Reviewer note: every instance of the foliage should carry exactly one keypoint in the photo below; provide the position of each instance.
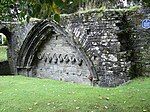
(24, 94)
(146, 2)
(3, 53)
(42, 9)
(24, 9)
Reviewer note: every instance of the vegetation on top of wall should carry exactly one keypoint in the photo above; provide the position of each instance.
(134, 8)
(88, 11)
(120, 11)
(96, 10)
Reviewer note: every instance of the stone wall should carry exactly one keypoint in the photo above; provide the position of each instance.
(86, 48)
(96, 32)
(15, 33)
(58, 60)
(140, 48)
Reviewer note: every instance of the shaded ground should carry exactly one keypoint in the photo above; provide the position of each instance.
(24, 94)
(4, 65)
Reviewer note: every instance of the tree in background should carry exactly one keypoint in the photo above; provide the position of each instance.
(24, 9)
(45, 9)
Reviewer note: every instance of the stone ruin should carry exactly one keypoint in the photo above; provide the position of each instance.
(82, 48)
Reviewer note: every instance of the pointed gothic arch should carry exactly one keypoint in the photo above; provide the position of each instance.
(37, 35)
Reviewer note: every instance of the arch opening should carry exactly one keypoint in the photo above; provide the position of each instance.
(5, 36)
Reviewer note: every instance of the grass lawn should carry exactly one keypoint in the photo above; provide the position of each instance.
(24, 94)
(3, 53)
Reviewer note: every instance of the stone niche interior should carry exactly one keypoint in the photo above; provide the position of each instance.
(57, 59)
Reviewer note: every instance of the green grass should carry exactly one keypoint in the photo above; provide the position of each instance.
(24, 94)
(3, 53)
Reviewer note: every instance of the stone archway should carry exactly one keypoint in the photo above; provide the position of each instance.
(5, 65)
(50, 51)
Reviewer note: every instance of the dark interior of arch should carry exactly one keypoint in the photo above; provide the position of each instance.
(7, 33)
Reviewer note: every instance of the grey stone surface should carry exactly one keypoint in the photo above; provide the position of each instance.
(85, 49)
(96, 32)
(58, 60)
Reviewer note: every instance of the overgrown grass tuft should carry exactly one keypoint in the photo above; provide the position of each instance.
(3, 53)
(24, 94)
